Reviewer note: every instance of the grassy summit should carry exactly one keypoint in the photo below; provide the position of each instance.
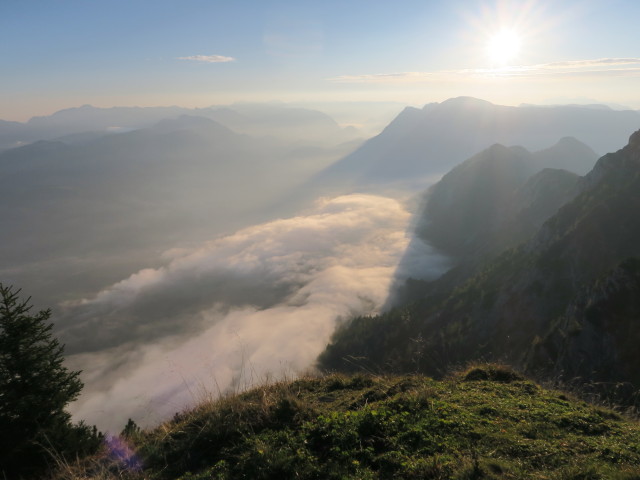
(487, 422)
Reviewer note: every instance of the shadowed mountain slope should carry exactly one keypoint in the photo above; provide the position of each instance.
(501, 196)
(519, 306)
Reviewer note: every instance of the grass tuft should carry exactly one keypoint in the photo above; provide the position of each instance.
(491, 372)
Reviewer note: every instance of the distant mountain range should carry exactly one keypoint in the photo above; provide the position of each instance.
(73, 125)
(420, 145)
(129, 195)
(562, 304)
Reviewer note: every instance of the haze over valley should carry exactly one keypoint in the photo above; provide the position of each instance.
(178, 261)
(260, 196)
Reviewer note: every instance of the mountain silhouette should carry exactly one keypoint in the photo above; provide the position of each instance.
(296, 125)
(495, 199)
(422, 144)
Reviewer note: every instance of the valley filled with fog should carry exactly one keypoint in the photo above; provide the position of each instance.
(278, 239)
(192, 252)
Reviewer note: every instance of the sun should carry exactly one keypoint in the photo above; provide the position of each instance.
(503, 47)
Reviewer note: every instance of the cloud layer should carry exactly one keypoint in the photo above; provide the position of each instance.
(208, 58)
(264, 300)
(614, 67)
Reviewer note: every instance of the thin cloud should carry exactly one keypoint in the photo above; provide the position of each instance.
(599, 62)
(208, 58)
(614, 67)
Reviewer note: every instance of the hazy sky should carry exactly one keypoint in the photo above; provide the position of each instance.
(64, 53)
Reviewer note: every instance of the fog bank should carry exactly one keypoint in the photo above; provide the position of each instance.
(264, 300)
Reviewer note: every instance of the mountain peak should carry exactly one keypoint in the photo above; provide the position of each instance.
(405, 121)
(634, 140)
(467, 102)
(498, 150)
(633, 149)
(622, 164)
(631, 152)
(569, 141)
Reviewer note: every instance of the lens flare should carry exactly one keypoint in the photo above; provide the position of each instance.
(122, 453)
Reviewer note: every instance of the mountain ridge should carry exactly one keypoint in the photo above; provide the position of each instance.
(422, 143)
(502, 308)
(491, 192)
(294, 124)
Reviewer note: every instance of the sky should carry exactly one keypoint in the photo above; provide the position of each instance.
(196, 53)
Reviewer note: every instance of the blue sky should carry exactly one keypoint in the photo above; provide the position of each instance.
(63, 53)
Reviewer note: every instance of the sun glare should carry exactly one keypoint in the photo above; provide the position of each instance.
(503, 47)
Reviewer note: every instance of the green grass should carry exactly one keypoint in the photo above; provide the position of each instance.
(486, 422)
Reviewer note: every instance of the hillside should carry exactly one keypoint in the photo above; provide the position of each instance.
(560, 284)
(487, 422)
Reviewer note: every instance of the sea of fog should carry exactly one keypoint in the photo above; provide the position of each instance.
(233, 312)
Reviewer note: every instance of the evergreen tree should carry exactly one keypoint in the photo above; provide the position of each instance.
(35, 388)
